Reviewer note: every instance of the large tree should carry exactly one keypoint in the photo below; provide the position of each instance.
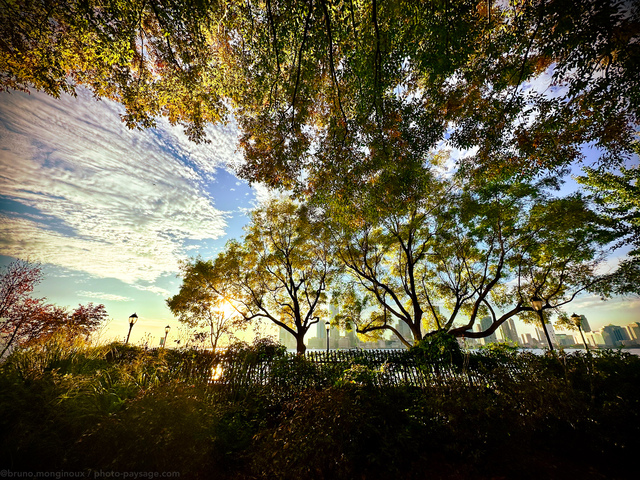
(281, 270)
(458, 254)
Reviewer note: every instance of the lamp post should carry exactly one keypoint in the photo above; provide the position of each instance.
(132, 321)
(536, 303)
(577, 321)
(327, 327)
(166, 332)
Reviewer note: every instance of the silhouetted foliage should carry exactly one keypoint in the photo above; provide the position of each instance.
(440, 348)
(509, 415)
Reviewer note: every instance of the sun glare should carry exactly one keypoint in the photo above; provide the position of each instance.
(216, 373)
(226, 308)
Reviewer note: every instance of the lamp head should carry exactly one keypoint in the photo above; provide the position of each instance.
(166, 329)
(577, 319)
(536, 303)
(327, 325)
(133, 319)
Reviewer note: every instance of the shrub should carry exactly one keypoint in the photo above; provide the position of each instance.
(438, 350)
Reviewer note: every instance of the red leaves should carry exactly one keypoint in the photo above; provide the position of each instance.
(28, 319)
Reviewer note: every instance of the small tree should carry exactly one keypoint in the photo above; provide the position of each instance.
(27, 319)
(17, 307)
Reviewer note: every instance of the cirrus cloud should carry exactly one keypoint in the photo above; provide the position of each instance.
(82, 191)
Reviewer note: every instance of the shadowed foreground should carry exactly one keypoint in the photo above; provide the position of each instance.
(255, 412)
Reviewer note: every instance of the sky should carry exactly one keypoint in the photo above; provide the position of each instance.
(109, 212)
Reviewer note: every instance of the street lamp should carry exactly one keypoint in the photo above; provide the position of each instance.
(327, 327)
(166, 332)
(536, 303)
(132, 321)
(577, 321)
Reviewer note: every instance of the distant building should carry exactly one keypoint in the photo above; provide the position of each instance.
(595, 339)
(286, 339)
(527, 340)
(633, 332)
(542, 337)
(614, 335)
(321, 330)
(508, 331)
(485, 324)
(565, 340)
(405, 331)
(584, 324)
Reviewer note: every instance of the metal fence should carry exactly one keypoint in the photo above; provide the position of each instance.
(382, 368)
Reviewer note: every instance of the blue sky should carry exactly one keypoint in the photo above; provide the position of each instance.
(110, 212)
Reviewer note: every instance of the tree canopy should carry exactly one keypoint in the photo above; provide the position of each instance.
(618, 197)
(459, 254)
(199, 303)
(333, 95)
(280, 272)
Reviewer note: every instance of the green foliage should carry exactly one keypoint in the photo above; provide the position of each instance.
(262, 349)
(618, 196)
(500, 348)
(201, 302)
(336, 97)
(280, 271)
(358, 375)
(338, 433)
(456, 254)
(440, 348)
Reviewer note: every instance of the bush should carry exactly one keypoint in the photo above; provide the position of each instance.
(507, 415)
(438, 350)
(340, 433)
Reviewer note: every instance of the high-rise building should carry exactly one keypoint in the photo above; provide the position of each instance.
(584, 324)
(614, 335)
(565, 340)
(286, 339)
(405, 331)
(529, 341)
(321, 330)
(633, 331)
(509, 332)
(595, 338)
(485, 324)
(543, 338)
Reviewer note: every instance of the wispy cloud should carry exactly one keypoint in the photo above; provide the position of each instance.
(163, 292)
(591, 302)
(104, 199)
(104, 296)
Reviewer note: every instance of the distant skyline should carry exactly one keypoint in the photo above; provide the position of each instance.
(109, 212)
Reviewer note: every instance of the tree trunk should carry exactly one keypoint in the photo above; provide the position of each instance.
(544, 327)
(300, 346)
(13, 336)
(416, 331)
